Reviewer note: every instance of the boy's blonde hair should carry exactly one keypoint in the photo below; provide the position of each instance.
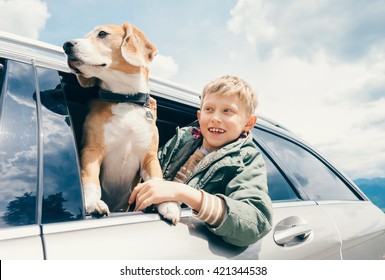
(230, 85)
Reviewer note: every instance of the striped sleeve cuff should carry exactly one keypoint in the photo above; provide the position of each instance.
(213, 209)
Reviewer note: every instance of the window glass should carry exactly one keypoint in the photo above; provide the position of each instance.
(279, 188)
(317, 180)
(62, 197)
(18, 146)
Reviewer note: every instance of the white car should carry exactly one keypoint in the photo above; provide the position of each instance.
(318, 212)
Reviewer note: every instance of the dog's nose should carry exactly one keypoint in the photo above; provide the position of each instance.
(67, 46)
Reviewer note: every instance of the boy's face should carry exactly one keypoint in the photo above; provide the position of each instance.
(222, 120)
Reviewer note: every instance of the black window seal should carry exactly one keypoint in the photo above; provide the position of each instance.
(4, 85)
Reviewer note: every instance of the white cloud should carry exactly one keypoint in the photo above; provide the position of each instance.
(303, 27)
(251, 18)
(310, 76)
(23, 17)
(164, 66)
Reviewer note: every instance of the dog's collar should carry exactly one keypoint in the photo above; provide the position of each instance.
(139, 98)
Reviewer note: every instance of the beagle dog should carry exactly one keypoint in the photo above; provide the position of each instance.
(120, 137)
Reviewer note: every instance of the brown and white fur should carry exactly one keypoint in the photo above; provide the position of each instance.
(119, 143)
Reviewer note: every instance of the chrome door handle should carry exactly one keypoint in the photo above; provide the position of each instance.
(287, 235)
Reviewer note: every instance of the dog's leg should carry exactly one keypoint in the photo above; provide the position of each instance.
(91, 159)
(170, 210)
(150, 167)
(151, 170)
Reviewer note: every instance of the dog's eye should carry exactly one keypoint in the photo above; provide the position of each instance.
(102, 34)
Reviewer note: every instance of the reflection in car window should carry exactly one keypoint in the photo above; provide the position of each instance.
(318, 181)
(279, 188)
(18, 146)
(62, 197)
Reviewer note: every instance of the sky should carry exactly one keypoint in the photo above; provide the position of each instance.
(318, 67)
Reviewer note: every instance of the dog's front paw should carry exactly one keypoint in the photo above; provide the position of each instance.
(92, 199)
(97, 207)
(170, 210)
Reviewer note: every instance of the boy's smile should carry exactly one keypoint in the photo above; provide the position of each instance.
(216, 130)
(222, 120)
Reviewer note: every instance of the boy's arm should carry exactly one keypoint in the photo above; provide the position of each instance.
(213, 209)
(158, 191)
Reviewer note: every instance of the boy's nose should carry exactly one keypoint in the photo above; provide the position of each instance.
(215, 118)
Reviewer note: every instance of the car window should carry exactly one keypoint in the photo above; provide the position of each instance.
(18, 146)
(279, 188)
(317, 180)
(62, 196)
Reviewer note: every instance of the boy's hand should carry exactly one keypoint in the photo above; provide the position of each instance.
(153, 192)
(162, 193)
(165, 192)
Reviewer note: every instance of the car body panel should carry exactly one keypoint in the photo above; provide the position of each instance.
(363, 237)
(135, 236)
(147, 236)
(21, 243)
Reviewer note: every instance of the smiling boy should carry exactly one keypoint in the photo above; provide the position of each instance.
(215, 168)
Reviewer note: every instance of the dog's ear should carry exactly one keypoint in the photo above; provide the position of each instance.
(136, 49)
(86, 82)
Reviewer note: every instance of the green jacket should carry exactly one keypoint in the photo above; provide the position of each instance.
(236, 173)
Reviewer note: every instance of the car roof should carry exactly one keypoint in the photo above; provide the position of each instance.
(43, 54)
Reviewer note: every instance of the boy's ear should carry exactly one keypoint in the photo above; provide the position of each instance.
(250, 123)
(198, 114)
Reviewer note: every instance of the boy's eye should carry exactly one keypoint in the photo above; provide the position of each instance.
(228, 110)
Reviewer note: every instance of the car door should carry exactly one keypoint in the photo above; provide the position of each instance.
(301, 229)
(342, 212)
(67, 233)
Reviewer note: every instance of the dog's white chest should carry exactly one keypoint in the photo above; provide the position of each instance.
(127, 138)
(128, 128)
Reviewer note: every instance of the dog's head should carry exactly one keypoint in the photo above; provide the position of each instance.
(109, 49)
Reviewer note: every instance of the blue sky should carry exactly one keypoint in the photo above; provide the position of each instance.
(318, 67)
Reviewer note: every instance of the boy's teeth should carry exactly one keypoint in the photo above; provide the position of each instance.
(217, 130)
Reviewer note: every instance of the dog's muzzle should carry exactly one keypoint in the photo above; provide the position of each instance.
(72, 60)
(68, 47)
